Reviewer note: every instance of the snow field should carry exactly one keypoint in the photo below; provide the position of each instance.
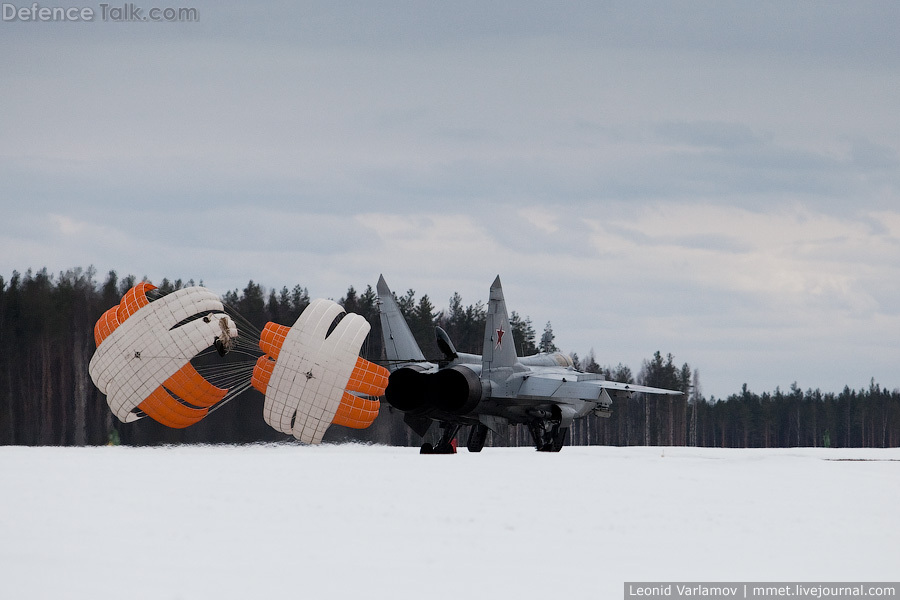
(355, 521)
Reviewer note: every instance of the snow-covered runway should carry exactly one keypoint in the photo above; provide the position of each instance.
(354, 521)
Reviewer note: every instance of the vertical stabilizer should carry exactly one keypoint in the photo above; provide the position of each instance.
(399, 343)
(499, 347)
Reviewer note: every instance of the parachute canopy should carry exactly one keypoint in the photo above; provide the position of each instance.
(144, 348)
(311, 374)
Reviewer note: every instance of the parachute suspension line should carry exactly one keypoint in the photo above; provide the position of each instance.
(248, 346)
(247, 342)
(232, 393)
(239, 350)
(223, 371)
(246, 364)
(246, 329)
(227, 377)
(364, 351)
(239, 354)
(248, 339)
(235, 374)
(225, 374)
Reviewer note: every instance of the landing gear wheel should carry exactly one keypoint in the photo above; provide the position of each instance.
(447, 444)
(548, 435)
(444, 449)
(559, 440)
(439, 449)
(477, 437)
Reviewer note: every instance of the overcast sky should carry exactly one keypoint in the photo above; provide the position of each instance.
(712, 179)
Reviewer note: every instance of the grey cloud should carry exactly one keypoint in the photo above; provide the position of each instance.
(241, 146)
(726, 136)
(862, 32)
(871, 156)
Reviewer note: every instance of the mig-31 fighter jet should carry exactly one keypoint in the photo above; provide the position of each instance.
(543, 391)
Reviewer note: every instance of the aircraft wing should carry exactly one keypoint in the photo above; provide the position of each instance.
(583, 386)
(630, 387)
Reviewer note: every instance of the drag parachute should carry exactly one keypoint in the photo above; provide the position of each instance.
(312, 376)
(144, 348)
(311, 373)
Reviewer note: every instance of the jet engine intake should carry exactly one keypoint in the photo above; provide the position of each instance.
(456, 390)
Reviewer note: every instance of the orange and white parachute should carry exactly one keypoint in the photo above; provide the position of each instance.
(144, 348)
(312, 375)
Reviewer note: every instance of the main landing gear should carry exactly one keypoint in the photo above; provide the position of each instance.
(447, 444)
(548, 435)
(477, 437)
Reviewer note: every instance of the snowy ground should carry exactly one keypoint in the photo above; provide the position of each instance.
(357, 521)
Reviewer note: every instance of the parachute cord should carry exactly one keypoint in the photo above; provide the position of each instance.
(230, 396)
(228, 379)
(229, 375)
(241, 350)
(234, 373)
(244, 325)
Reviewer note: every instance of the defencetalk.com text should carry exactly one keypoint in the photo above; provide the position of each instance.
(122, 13)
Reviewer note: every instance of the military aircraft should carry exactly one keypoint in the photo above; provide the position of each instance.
(543, 391)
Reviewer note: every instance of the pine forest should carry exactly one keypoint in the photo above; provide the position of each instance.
(48, 398)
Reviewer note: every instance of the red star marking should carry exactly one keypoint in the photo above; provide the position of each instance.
(500, 333)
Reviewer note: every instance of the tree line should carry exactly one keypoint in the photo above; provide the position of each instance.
(48, 398)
